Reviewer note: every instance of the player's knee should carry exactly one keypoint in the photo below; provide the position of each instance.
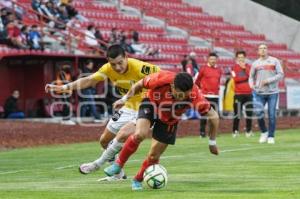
(140, 136)
(123, 135)
(103, 142)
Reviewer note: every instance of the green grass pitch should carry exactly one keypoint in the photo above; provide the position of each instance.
(243, 170)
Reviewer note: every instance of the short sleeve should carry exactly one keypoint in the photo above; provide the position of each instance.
(101, 74)
(151, 81)
(147, 69)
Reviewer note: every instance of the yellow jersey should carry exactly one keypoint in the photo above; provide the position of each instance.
(136, 71)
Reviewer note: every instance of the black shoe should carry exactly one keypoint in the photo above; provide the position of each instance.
(202, 134)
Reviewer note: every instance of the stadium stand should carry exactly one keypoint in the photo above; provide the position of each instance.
(175, 13)
(199, 33)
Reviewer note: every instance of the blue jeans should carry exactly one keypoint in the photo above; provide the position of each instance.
(16, 115)
(90, 106)
(259, 104)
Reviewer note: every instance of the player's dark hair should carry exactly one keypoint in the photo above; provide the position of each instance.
(240, 52)
(183, 81)
(213, 54)
(114, 51)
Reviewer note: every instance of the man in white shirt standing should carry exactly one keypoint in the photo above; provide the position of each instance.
(265, 74)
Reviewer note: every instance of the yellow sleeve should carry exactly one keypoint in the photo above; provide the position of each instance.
(147, 69)
(101, 74)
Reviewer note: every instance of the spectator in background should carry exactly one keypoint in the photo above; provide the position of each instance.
(184, 62)
(88, 100)
(3, 34)
(134, 36)
(35, 38)
(25, 35)
(192, 57)
(243, 93)
(64, 76)
(90, 38)
(8, 4)
(264, 76)
(114, 37)
(189, 63)
(11, 106)
(208, 80)
(100, 39)
(36, 5)
(127, 46)
(4, 16)
(71, 11)
(14, 35)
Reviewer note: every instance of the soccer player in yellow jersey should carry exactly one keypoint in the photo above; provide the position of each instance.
(123, 72)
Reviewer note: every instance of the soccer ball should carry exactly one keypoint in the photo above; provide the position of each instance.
(155, 176)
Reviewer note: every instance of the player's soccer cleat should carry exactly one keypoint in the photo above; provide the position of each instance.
(112, 169)
(136, 185)
(87, 168)
(249, 134)
(271, 140)
(263, 137)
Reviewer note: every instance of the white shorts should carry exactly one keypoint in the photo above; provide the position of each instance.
(120, 118)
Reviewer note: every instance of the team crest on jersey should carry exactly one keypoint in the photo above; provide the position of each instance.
(147, 110)
(146, 70)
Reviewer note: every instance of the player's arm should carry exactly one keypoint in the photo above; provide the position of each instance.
(213, 121)
(80, 83)
(136, 88)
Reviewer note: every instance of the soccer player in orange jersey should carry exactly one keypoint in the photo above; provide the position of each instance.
(168, 97)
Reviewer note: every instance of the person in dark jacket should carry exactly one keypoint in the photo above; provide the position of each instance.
(11, 106)
(88, 95)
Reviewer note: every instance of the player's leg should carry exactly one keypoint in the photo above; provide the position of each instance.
(89, 167)
(163, 135)
(125, 116)
(259, 104)
(156, 150)
(237, 113)
(272, 102)
(143, 124)
(116, 144)
(106, 137)
(249, 112)
(131, 145)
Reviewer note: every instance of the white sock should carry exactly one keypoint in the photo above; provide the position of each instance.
(109, 153)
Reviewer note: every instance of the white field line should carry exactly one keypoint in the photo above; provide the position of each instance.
(139, 160)
(12, 172)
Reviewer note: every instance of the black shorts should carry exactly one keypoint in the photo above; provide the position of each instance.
(161, 132)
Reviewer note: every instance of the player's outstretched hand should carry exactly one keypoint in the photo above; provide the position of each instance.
(214, 149)
(56, 88)
(118, 104)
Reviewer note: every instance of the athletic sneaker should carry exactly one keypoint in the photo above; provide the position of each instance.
(202, 135)
(112, 169)
(263, 137)
(249, 134)
(235, 134)
(87, 168)
(68, 122)
(271, 140)
(136, 185)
